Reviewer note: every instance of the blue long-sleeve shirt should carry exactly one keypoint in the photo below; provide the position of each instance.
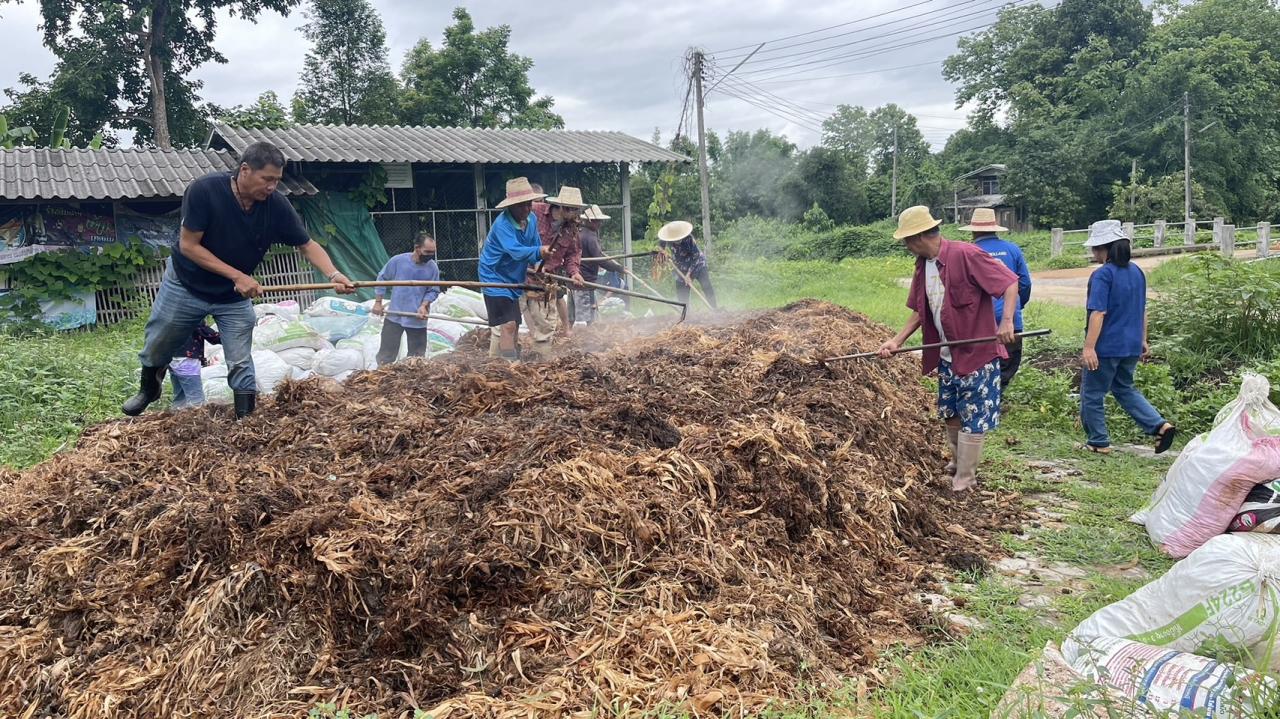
(408, 299)
(1011, 256)
(508, 252)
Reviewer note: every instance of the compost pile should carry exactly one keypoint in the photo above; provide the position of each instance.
(702, 519)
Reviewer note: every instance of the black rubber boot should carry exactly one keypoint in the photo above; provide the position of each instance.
(152, 377)
(245, 402)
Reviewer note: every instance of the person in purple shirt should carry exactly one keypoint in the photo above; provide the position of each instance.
(952, 287)
(1115, 340)
(420, 264)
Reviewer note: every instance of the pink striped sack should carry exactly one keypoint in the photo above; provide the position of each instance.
(1204, 489)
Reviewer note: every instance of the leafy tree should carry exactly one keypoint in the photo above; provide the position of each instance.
(125, 64)
(753, 176)
(1157, 199)
(346, 78)
(850, 132)
(912, 147)
(266, 113)
(830, 182)
(472, 80)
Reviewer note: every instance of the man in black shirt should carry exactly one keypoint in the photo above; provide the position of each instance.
(229, 221)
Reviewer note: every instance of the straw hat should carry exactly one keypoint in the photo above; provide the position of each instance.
(594, 213)
(913, 221)
(983, 220)
(1104, 232)
(675, 231)
(568, 197)
(519, 190)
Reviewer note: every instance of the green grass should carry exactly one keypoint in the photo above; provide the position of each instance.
(53, 385)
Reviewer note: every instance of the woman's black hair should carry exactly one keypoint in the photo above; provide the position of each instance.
(1118, 253)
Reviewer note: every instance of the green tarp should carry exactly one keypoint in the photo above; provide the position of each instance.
(345, 228)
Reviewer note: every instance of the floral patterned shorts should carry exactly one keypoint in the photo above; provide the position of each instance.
(974, 398)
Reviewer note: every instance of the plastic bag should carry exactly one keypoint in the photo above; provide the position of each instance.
(288, 310)
(336, 328)
(1203, 490)
(336, 307)
(287, 335)
(1223, 599)
(1169, 681)
(269, 370)
(1050, 688)
(213, 379)
(337, 361)
(300, 357)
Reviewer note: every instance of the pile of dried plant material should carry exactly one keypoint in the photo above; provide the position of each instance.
(704, 519)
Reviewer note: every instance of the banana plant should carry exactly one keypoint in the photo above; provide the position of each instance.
(10, 137)
(58, 136)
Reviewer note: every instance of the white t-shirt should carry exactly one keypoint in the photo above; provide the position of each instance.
(936, 293)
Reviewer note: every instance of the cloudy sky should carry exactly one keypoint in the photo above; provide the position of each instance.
(618, 65)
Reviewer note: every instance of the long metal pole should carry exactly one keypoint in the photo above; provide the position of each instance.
(1186, 157)
(702, 153)
(893, 193)
(266, 289)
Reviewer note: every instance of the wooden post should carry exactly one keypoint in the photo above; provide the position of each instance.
(1127, 228)
(1264, 239)
(1228, 240)
(482, 217)
(1055, 242)
(1159, 230)
(625, 169)
(1217, 230)
(703, 181)
(1189, 232)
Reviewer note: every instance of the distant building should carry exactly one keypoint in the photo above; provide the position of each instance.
(981, 188)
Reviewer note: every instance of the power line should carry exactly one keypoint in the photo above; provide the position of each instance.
(948, 15)
(779, 48)
(832, 27)
(775, 111)
(851, 74)
(869, 52)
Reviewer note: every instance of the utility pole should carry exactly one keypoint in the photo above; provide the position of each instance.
(1186, 157)
(893, 193)
(702, 152)
(1133, 186)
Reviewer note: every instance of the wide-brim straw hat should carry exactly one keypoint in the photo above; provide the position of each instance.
(568, 197)
(983, 220)
(1104, 232)
(913, 221)
(675, 231)
(594, 213)
(519, 190)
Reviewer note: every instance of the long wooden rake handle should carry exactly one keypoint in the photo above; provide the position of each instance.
(430, 316)
(934, 345)
(402, 283)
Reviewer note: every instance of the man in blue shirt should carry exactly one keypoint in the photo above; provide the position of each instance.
(513, 244)
(420, 264)
(229, 221)
(984, 228)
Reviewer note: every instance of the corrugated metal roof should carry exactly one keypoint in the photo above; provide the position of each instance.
(37, 173)
(385, 143)
(985, 169)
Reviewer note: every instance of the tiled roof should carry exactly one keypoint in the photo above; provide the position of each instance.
(32, 173)
(385, 143)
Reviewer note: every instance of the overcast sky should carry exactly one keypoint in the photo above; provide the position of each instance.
(619, 65)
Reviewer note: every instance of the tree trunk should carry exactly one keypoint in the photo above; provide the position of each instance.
(156, 69)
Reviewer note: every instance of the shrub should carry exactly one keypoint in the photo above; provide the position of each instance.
(754, 237)
(1223, 314)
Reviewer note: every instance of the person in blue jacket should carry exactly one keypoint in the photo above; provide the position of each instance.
(513, 244)
(1115, 340)
(984, 228)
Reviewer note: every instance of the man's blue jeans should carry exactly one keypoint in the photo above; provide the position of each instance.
(174, 317)
(1114, 375)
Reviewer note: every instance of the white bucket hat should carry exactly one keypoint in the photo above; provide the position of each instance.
(1104, 232)
(675, 231)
